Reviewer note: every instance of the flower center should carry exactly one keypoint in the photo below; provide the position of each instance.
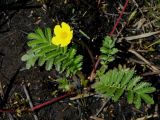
(64, 34)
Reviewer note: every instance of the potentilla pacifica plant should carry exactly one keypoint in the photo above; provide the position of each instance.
(53, 51)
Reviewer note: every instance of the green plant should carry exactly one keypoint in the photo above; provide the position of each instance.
(52, 50)
(108, 51)
(116, 82)
(64, 84)
(42, 50)
(108, 54)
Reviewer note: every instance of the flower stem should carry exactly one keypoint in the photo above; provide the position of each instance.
(50, 102)
(38, 106)
(119, 18)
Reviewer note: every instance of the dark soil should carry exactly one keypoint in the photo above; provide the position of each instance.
(16, 22)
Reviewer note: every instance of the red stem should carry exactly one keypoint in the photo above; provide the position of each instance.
(49, 102)
(119, 18)
(40, 105)
(6, 111)
(91, 77)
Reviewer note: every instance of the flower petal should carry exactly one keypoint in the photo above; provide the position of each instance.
(61, 42)
(70, 35)
(65, 42)
(55, 41)
(65, 26)
(57, 30)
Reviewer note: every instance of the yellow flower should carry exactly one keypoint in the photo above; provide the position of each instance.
(63, 35)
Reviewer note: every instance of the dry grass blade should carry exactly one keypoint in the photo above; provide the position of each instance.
(138, 36)
(1, 90)
(29, 99)
(96, 118)
(148, 117)
(81, 96)
(152, 67)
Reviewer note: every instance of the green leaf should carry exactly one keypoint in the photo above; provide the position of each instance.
(58, 67)
(127, 76)
(46, 50)
(41, 60)
(34, 42)
(118, 94)
(137, 101)
(31, 62)
(118, 81)
(147, 90)
(48, 34)
(39, 47)
(34, 36)
(104, 50)
(41, 34)
(108, 51)
(49, 64)
(115, 75)
(114, 51)
(28, 64)
(111, 78)
(120, 75)
(60, 59)
(66, 64)
(133, 82)
(78, 59)
(72, 53)
(52, 55)
(64, 50)
(108, 42)
(111, 91)
(130, 97)
(147, 98)
(64, 84)
(141, 86)
(26, 57)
